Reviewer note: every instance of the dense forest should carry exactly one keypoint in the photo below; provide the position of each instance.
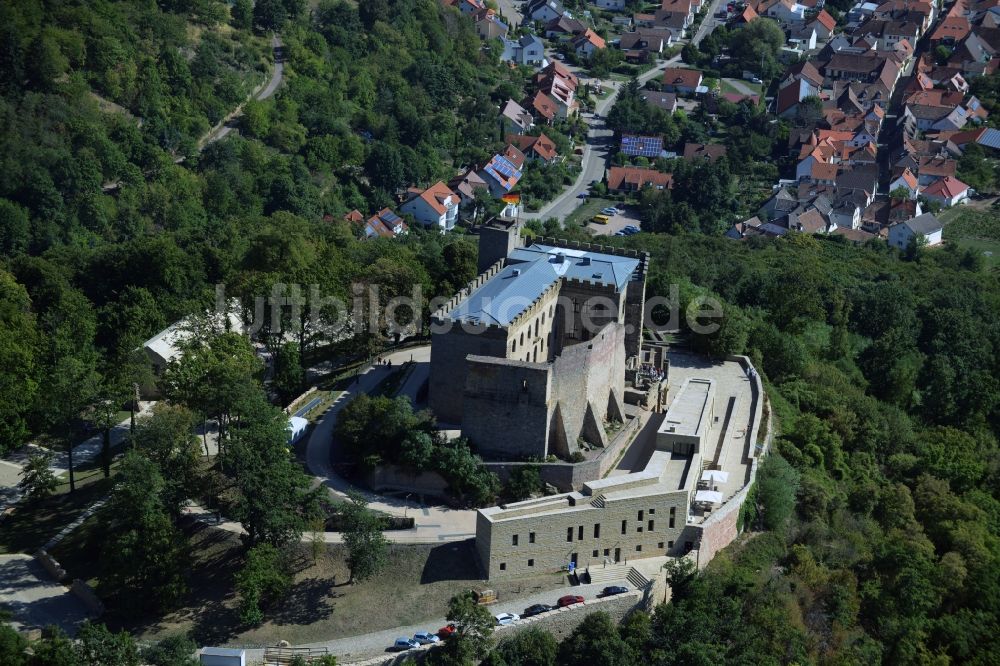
(876, 538)
(113, 222)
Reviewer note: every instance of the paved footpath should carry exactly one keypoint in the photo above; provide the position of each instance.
(84, 453)
(432, 524)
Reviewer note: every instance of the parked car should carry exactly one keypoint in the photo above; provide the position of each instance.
(425, 638)
(446, 631)
(558, 56)
(569, 600)
(613, 590)
(583, 195)
(537, 609)
(504, 619)
(403, 644)
(610, 210)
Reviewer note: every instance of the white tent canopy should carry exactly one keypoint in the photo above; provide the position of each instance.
(710, 496)
(713, 475)
(296, 427)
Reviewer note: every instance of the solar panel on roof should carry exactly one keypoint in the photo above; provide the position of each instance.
(645, 146)
(390, 217)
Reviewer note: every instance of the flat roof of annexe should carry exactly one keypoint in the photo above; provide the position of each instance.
(688, 412)
(532, 270)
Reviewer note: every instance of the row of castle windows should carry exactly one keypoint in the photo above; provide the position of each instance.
(650, 526)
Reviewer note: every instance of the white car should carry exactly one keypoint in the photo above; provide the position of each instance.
(426, 638)
(504, 619)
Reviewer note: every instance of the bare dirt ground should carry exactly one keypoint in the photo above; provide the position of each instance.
(415, 587)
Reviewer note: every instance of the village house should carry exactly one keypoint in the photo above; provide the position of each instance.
(514, 119)
(661, 100)
(503, 172)
(925, 226)
(681, 80)
(435, 207)
(536, 148)
(543, 10)
(947, 191)
(633, 179)
(586, 44)
(527, 50)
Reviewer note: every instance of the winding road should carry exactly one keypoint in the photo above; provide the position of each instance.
(230, 124)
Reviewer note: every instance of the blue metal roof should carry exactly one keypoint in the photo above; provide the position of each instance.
(585, 265)
(530, 272)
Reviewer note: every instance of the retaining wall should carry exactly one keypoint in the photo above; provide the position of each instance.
(571, 476)
(50, 565)
(559, 623)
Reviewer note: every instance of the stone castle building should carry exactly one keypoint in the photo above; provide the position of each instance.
(632, 516)
(530, 359)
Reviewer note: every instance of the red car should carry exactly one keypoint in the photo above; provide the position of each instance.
(446, 631)
(569, 600)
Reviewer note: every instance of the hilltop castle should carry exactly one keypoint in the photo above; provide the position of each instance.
(530, 358)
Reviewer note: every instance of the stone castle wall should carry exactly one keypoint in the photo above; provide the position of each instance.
(448, 367)
(506, 407)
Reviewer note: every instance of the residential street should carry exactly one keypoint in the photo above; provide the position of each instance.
(595, 154)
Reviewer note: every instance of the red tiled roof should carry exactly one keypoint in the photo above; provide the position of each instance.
(592, 37)
(543, 105)
(822, 171)
(710, 151)
(514, 156)
(355, 216)
(936, 166)
(826, 20)
(680, 76)
(638, 177)
(952, 27)
(435, 196)
(947, 187)
(541, 145)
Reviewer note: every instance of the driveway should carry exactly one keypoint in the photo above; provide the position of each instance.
(741, 87)
(596, 152)
(34, 600)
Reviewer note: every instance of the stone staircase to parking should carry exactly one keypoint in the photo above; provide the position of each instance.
(616, 572)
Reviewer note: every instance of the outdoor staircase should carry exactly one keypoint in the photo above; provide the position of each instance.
(616, 572)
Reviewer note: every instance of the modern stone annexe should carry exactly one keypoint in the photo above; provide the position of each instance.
(643, 514)
(530, 358)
